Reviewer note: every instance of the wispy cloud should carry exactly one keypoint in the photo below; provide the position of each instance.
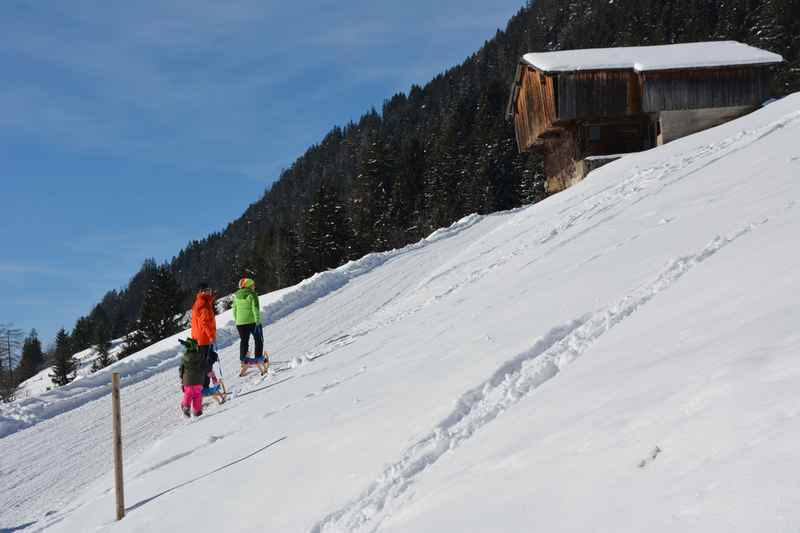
(206, 84)
(165, 81)
(354, 34)
(21, 268)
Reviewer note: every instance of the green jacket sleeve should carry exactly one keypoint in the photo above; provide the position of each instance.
(256, 309)
(234, 311)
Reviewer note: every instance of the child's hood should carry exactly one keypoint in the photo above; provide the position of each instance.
(242, 294)
(204, 298)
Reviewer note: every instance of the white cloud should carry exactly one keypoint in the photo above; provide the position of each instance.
(22, 268)
(206, 84)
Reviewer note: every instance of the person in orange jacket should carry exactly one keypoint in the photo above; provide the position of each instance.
(204, 323)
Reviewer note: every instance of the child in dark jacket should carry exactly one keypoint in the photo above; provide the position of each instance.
(193, 371)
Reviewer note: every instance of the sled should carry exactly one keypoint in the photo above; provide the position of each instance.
(261, 361)
(216, 392)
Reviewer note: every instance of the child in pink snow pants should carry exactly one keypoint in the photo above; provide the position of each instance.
(193, 372)
(192, 396)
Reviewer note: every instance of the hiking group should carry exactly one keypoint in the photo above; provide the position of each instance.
(196, 371)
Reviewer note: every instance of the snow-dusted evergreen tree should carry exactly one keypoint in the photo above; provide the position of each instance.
(133, 342)
(436, 185)
(372, 188)
(326, 236)
(297, 266)
(531, 181)
(64, 367)
(101, 348)
(777, 28)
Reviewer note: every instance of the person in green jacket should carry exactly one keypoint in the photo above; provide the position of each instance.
(247, 315)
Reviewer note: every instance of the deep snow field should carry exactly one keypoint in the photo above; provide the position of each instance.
(621, 357)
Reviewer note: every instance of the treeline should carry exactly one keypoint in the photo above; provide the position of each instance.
(435, 154)
(26, 350)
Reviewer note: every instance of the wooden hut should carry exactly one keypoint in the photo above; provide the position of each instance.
(582, 108)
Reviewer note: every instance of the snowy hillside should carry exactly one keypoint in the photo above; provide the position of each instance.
(621, 357)
(41, 382)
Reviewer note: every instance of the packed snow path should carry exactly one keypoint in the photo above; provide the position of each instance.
(621, 356)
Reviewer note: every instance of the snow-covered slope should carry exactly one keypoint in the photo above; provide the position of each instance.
(41, 381)
(620, 357)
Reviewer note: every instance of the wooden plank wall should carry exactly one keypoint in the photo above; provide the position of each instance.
(535, 108)
(592, 94)
(704, 88)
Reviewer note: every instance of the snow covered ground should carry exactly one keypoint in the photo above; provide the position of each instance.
(621, 357)
(41, 382)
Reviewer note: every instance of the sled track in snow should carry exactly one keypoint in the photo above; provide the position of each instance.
(511, 383)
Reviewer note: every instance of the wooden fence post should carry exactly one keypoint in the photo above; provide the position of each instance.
(117, 445)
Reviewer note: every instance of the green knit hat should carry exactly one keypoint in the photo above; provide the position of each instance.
(190, 344)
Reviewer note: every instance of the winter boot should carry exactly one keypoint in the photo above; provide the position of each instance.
(185, 409)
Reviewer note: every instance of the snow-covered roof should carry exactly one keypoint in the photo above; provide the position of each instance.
(650, 58)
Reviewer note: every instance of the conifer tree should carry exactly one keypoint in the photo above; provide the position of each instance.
(277, 257)
(134, 341)
(776, 27)
(531, 179)
(294, 268)
(372, 188)
(101, 348)
(440, 185)
(407, 194)
(82, 334)
(64, 367)
(162, 314)
(32, 357)
(325, 230)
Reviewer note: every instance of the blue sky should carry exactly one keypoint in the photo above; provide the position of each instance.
(129, 128)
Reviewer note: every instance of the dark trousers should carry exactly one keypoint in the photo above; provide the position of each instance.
(244, 334)
(205, 349)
